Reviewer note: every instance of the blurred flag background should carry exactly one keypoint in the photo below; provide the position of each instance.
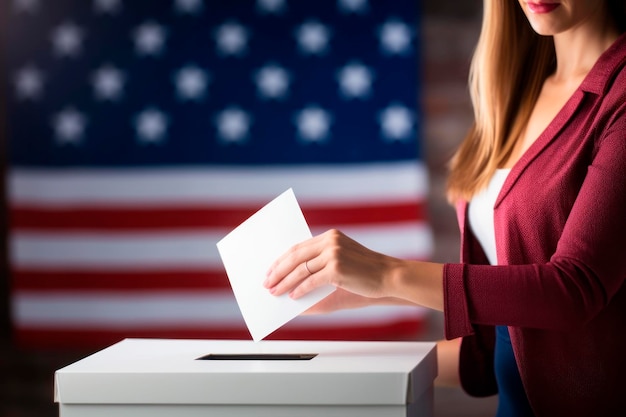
(141, 132)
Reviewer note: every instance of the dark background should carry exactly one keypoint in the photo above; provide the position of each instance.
(449, 32)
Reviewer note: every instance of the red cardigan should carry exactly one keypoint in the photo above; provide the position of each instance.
(560, 224)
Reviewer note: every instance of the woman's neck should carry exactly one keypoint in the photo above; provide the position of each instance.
(579, 48)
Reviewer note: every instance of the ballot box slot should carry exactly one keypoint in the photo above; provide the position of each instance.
(258, 357)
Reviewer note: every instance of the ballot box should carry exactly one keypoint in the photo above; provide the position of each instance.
(192, 378)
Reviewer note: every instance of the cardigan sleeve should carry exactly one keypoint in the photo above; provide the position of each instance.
(587, 268)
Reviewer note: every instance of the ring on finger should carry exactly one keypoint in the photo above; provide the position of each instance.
(306, 266)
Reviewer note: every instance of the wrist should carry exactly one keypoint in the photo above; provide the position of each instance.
(398, 279)
(417, 282)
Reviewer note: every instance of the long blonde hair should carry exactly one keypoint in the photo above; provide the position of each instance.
(507, 71)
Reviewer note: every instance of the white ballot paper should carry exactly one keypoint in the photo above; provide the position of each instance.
(248, 252)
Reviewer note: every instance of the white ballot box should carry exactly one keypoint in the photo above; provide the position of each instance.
(192, 378)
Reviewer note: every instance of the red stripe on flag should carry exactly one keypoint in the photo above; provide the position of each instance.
(122, 281)
(115, 218)
(45, 338)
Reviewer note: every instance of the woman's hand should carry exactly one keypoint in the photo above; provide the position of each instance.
(333, 259)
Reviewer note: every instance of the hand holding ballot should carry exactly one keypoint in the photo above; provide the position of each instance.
(278, 270)
(247, 253)
(332, 258)
(362, 277)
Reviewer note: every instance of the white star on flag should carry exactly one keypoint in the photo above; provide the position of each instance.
(67, 39)
(149, 38)
(108, 83)
(231, 38)
(192, 7)
(69, 126)
(28, 83)
(191, 83)
(270, 6)
(353, 6)
(272, 81)
(355, 81)
(107, 6)
(396, 122)
(151, 125)
(313, 123)
(232, 124)
(313, 37)
(395, 37)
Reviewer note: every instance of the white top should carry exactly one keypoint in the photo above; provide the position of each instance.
(481, 214)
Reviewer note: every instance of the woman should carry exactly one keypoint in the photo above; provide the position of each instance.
(539, 300)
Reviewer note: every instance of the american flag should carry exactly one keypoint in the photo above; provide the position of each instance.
(141, 132)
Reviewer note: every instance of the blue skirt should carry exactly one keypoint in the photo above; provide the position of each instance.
(512, 400)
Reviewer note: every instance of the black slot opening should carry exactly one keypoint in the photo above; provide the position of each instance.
(258, 357)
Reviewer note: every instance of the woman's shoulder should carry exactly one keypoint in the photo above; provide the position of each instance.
(613, 65)
(615, 89)
(609, 70)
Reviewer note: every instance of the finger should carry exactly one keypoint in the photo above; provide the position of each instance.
(291, 260)
(314, 268)
(291, 280)
(286, 268)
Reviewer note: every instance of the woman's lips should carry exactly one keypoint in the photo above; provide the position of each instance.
(542, 7)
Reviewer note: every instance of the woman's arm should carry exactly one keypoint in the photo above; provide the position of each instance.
(334, 259)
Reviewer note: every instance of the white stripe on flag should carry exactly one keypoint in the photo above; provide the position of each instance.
(152, 310)
(217, 186)
(113, 251)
